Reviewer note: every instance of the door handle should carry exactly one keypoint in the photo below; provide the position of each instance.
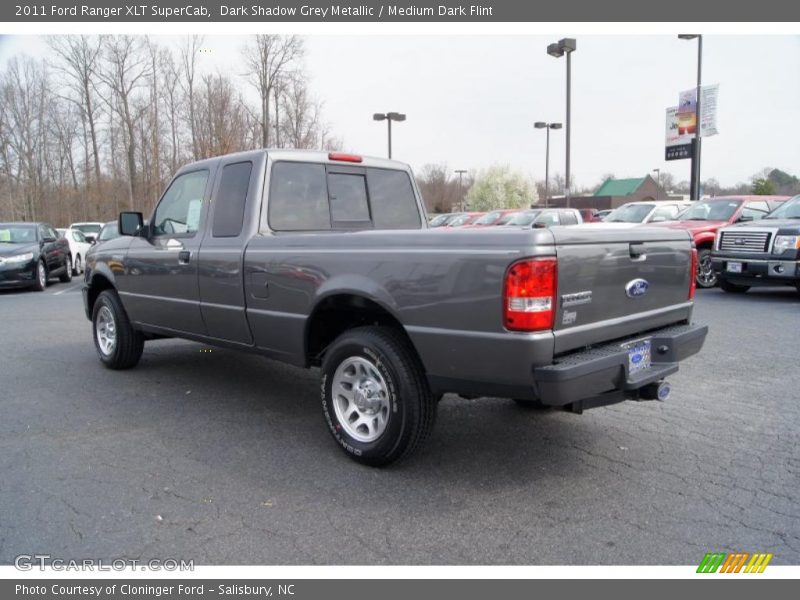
(184, 256)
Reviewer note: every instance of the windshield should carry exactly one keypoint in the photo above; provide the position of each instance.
(711, 210)
(787, 210)
(630, 213)
(17, 234)
(488, 218)
(523, 218)
(89, 228)
(459, 221)
(109, 232)
(505, 220)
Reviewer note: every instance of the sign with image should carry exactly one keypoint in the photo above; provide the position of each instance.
(678, 140)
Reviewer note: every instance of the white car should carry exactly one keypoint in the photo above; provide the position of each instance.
(90, 229)
(78, 247)
(654, 211)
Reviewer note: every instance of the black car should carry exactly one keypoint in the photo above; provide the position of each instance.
(763, 252)
(31, 253)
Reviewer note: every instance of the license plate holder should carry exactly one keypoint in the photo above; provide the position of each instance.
(639, 355)
(734, 267)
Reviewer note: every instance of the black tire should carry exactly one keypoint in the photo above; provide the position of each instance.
(705, 277)
(76, 267)
(531, 404)
(40, 277)
(129, 343)
(66, 276)
(409, 405)
(732, 288)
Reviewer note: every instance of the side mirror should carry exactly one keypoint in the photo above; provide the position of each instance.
(130, 223)
(744, 219)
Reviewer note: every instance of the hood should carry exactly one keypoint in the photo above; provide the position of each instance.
(771, 223)
(693, 226)
(7, 249)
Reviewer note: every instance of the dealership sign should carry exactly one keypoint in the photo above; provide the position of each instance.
(681, 124)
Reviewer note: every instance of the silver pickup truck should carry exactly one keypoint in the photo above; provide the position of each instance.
(325, 260)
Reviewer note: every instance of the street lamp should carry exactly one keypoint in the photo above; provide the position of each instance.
(389, 117)
(566, 46)
(461, 173)
(695, 177)
(547, 127)
(658, 179)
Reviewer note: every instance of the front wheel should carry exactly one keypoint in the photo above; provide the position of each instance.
(375, 397)
(40, 277)
(118, 344)
(706, 276)
(732, 288)
(78, 267)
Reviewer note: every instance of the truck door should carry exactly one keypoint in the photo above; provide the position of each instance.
(159, 286)
(233, 218)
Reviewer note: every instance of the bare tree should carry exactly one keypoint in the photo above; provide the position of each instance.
(189, 51)
(126, 68)
(268, 58)
(78, 60)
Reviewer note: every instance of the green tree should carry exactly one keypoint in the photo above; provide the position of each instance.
(763, 187)
(501, 187)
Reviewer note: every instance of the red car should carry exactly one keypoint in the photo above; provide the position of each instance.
(705, 217)
(495, 217)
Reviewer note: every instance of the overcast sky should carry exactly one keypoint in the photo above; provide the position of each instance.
(471, 100)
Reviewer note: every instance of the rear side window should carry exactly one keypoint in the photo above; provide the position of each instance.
(548, 218)
(391, 195)
(348, 197)
(231, 198)
(298, 197)
(568, 217)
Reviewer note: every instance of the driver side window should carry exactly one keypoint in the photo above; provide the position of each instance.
(178, 213)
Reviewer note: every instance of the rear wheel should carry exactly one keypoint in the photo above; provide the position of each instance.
(66, 276)
(78, 267)
(375, 396)
(706, 277)
(118, 344)
(732, 288)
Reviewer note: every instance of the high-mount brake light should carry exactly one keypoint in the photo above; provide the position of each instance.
(529, 295)
(344, 157)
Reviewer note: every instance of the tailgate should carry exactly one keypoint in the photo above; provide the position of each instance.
(619, 282)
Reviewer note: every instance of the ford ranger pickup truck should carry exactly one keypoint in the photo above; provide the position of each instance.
(764, 252)
(326, 260)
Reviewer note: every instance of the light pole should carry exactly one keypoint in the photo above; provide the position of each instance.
(566, 46)
(696, 142)
(658, 179)
(389, 117)
(461, 173)
(547, 127)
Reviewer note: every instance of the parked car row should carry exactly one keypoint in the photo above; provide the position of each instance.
(33, 253)
(756, 255)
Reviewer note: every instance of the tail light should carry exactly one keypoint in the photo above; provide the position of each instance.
(529, 295)
(693, 275)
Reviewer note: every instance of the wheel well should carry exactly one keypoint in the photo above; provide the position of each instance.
(707, 245)
(99, 284)
(336, 314)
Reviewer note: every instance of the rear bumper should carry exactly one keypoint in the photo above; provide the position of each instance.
(600, 375)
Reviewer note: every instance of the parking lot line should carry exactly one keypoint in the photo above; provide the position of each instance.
(71, 288)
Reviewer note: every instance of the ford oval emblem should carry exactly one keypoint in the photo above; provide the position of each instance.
(636, 288)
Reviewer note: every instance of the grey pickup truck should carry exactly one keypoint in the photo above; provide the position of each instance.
(326, 260)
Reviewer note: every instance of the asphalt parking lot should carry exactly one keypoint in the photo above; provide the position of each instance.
(224, 458)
